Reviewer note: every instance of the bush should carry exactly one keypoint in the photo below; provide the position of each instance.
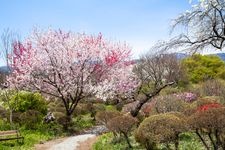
(103, 117)
(209, 122)
(213, 88)
(201, 102)
(30, 119)
(23, 101)
(122, 125)
(169, 103)
(83, 121)
(3, 112)
(162, 128)
(28, 109)
(186, 96)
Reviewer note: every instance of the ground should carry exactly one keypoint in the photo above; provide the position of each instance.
(78, 142)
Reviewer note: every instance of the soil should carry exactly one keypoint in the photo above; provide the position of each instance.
(87, 145)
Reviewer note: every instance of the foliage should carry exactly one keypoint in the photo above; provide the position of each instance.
(23, 107)
(104, 117)
(171, 90)
(30, 119)
(23, 101)
(43, 132)
(203, 67)
(3, 112)
(162, 128)
(169, 103)
(31, 138)
(83, 121)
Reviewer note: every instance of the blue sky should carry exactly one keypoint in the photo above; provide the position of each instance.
(138, 22)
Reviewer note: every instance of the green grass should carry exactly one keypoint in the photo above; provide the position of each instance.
(30, 138)
(189, 141)
(83, 121)
(107, 142)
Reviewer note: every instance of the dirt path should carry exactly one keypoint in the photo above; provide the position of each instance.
(79, 142)
(87, 145)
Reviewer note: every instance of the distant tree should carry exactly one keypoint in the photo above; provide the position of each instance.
(8, 38)
(72, 67)
(204, 67)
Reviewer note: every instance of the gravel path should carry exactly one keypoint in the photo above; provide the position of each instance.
(72, 143)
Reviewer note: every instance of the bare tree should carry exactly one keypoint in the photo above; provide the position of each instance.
(203, 27)
(156, 72)
(8, 38)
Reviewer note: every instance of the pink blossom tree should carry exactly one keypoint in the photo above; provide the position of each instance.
(72, 67)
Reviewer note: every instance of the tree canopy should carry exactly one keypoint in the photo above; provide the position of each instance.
(71, 67)
(203, 67)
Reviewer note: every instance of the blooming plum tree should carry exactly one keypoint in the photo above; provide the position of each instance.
(72, 67)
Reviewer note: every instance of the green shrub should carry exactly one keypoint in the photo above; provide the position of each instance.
(3, 112)
(162, 128)
(83, 121)
(4, 125)
(23, 101)
(30, 119)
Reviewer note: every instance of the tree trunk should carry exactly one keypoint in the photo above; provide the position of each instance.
(67, 121)
(215, 146)
(176, 143)
(127, 139)
(202, 140)
(10, 118)
(219, 142)
(136, 110)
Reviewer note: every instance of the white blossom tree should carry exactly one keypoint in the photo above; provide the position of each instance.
(203, 27)
(72, 67)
